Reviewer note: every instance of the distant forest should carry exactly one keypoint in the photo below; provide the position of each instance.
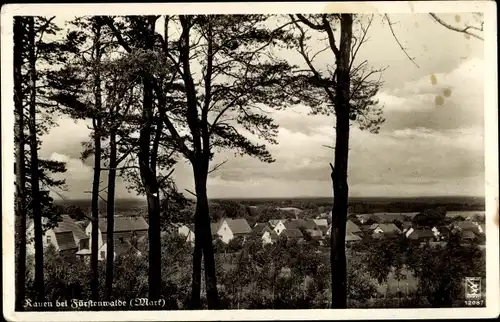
(356, 204)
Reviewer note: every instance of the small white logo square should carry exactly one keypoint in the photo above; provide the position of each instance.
(472, 288)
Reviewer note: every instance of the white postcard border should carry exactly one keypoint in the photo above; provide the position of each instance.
(491, 157)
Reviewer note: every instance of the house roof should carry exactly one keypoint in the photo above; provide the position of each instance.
(352, 227)
(351, 237)
(124, 224)
(274, 222)
(407, 224)
(421, 233)
(214, 227)
(272, 234)
(470, 226)
(259, 228)
(292, 233)
(321, 222)
(238, 225)
(365, 227)
(468, 234)
(69, 225)
(465, 224)
(65, 240)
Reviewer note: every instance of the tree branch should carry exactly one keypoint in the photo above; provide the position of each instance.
(217, 166)
(457, 29)
(110, 22)
(309, 23)
(192, 193)
(122, 168)
(397, 40)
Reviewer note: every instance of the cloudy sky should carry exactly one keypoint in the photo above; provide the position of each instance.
(423, 148)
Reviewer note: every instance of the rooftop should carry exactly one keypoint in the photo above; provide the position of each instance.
(124, 224)
(67, 224)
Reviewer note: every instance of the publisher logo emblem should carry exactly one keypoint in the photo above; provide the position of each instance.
(472, 288)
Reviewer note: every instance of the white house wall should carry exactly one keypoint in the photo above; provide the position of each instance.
(279, 228)
(102, 256)
(88, 231)
(225, 232)
(30, 246)
(266, 238)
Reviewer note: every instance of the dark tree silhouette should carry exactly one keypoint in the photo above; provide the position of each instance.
(236, 76)
(349, 92)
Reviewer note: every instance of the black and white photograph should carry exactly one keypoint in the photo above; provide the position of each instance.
(249, 157)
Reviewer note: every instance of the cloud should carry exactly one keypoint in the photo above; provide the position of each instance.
(65, 137)
(414, 104)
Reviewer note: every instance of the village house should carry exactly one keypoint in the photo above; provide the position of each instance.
(440, 232)
(227, 229)
(322, 225)
(67, 237)
(474, 216)
(477, 228)
(406, 226)
(269, 236)
(382, 230)
(293, 234)
(278, 225)
(308, 225)
(321, 222)
(187, 231)
(351, 228)
(421, 235)
(263, 231)
(351, 238)
(127, 231)
(468, 235)
(258, 228)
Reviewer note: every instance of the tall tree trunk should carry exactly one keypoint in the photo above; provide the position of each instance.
(111, 213)
(339, 173)
(35, 188)
(202, 212)
(197, 255)
(19, 30)
(95, 211)
(97, 123)
(147, 167)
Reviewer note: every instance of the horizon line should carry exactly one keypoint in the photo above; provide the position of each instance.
(293, 197)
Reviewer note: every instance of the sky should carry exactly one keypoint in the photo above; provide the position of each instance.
(426, 147)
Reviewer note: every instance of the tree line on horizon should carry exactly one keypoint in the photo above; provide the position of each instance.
(154, 99)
